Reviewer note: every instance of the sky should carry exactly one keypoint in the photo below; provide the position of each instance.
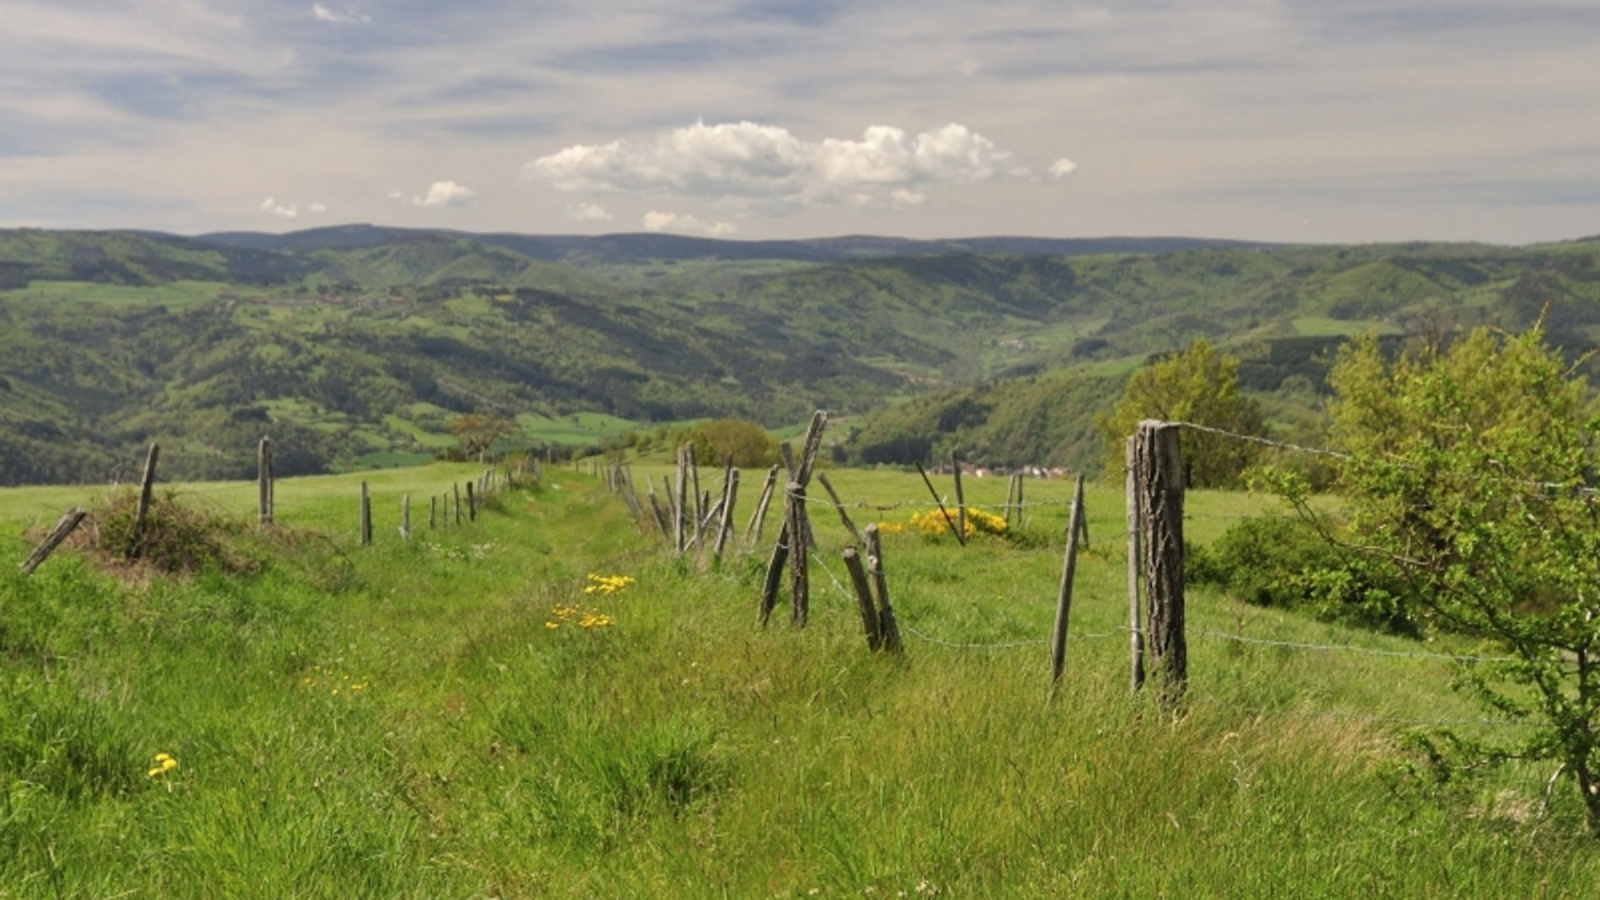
(1278, 120)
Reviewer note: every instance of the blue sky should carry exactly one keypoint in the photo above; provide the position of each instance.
(1288, 120)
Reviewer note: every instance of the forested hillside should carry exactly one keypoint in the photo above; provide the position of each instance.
(355, 347)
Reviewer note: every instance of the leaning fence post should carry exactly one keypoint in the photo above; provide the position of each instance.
(869, 613)
(752, 533)
(961, 497)
(63, 529)
(961, 538)
(1160, 465)
(146, 486)
(729, 497)
(1058, 642)
(843, 516)
(799, 572)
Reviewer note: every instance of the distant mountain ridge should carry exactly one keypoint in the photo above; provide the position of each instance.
(641, 246)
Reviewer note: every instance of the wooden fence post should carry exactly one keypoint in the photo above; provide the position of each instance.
(752, 533)
(799, 572)
(366, 516)
(1159, 456)
(869, 612)
(1022, 506)
(729, 497)
(680, 505)
(838, 505)
(1058, 642)
(472, 504)
(961, 497)
(63, 529)
(962, 538)
(699, 501)
(887, 627)
(1135, 630)
(433, 510)
(146, 486)
(456, 485)
(662, 519)
(1011, 490)
(405, 517)
(264, 482)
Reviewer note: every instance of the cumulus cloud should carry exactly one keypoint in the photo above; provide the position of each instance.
(337, 17)
(747, 166)
(1062, 167)
(318, 208)
(686, 224)
(281, 210)
(588, 212)
(441, 194)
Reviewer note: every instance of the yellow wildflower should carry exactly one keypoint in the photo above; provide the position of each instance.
(164, 764)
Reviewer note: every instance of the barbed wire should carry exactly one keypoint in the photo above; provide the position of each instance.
(1351, 648)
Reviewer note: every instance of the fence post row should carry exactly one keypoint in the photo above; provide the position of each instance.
(1158, 459)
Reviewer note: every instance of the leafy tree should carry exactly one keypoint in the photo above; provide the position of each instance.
(1470, 477)
(1200, 386)
(476, 432)
(748, 443)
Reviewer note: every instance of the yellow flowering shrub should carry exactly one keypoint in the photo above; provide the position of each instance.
(934, 524)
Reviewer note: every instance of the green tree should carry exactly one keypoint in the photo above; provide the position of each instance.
(748, 443)
(1200, 386)
(477, 432)
(1470, 477)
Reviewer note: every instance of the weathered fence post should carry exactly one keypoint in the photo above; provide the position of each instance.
(961, 497)
(680, 505)
(472, 504)
(1135, 630)
(887, 627)
(799, 571)
(838, 505)
(752, 533)
(1058, 642)
(366, 516)
(960, 536)
(456, 485)
(1022, 506)
(1011, 490)
(729, 497)
(264, 482)
(146, 486)
(405, 517)
(433, 510)
(869, 611)
(1159, 457)
(63, 529)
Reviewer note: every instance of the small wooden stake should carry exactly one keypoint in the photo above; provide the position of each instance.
(457, 486)
(63, 529)
(1058, 643)
(472, 504)
(405, 517)
(948, 521)
(433, 510)
(366, 516)
(264, 482)
(146, 487)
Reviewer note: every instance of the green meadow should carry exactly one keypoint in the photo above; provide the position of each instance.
(491, 710)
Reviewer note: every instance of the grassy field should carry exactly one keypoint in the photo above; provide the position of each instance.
(458, 717)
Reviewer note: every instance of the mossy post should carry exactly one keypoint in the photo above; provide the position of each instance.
(1158, 458)
(366, 516)
(146, 488)
(1069, 567)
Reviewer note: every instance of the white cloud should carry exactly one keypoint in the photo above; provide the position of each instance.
(396, 195)
(686, 224)
(318, 208)
(588, 212)
(445, 194)
(336, 17)
(761, 167)
(281, 210)
(1062, 167)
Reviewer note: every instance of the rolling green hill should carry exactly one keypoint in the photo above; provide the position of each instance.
(355, 346)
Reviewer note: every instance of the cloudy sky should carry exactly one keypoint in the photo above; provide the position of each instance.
(1288, 120)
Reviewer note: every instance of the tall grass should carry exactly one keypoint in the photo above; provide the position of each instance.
(404, 721)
